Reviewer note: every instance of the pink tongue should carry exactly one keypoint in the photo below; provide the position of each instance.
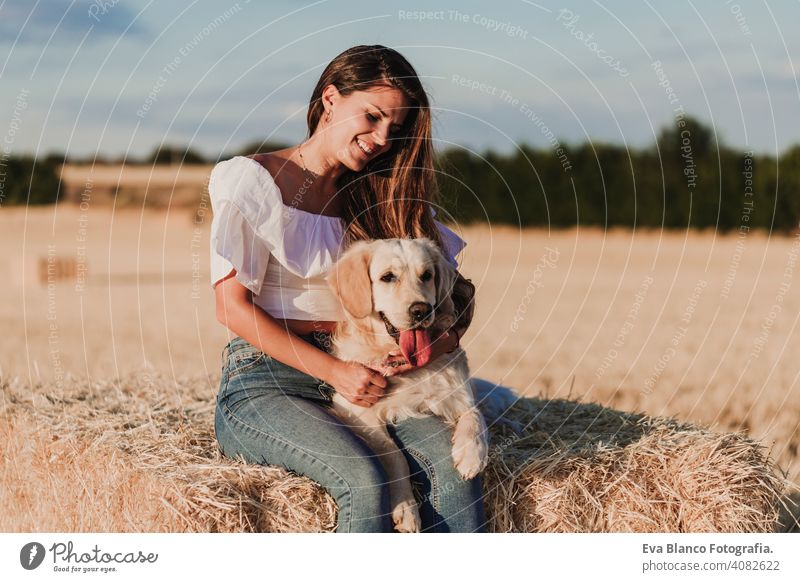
(416, 346)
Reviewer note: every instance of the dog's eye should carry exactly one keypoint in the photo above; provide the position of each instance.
(426, 276)
(388, 278)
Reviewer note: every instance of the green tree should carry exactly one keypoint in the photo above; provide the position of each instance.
(26, 180)
(166, 154)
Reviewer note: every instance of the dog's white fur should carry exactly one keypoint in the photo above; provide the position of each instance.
(441, 388)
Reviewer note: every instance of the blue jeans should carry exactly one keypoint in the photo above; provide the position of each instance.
(271, 413)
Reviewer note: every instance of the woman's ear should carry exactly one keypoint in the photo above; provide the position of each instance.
(350, 282)
(330, 95)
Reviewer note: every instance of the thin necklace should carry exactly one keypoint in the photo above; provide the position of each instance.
(303, 160)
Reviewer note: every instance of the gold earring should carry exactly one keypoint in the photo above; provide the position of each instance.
(328, 117)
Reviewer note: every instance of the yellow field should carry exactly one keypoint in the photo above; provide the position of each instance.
(693, 325)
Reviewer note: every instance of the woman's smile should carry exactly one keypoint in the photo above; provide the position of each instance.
(365, 147)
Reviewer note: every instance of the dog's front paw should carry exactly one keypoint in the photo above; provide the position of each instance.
(406, 517)
(470, 447)
(470, 459)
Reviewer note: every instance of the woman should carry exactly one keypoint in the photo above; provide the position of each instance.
(280, 220)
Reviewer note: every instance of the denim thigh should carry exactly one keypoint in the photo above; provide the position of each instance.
(248, 372)
(271, 413)
(448, 503)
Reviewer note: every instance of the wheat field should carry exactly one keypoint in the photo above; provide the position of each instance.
(696, 326)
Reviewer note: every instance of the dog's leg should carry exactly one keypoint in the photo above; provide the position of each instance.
(470, 444)
(405, 511)
(470, 435)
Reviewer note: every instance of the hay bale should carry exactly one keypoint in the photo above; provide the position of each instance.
(139, 454)
(581, 467)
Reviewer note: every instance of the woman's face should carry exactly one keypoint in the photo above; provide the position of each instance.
(363, 123)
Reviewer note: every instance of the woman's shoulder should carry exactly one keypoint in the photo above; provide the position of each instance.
(248, 202)
(242, 168)
(273, 162)
(243, 181)
(238, 169)
(268, 171)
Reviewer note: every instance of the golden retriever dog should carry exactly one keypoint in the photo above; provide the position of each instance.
(396, 292)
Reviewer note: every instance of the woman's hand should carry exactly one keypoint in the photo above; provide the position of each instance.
(357, 383)
(395, 363)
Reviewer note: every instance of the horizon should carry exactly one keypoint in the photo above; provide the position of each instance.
(207, 157)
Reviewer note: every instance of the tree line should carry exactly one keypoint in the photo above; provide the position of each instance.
(685, 179)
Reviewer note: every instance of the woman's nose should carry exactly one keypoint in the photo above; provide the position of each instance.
(380, 136)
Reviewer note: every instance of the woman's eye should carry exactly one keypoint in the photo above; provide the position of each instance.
(426, 276)
(388, 278)
(392, 130)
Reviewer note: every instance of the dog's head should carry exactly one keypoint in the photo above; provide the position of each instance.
(401, 285)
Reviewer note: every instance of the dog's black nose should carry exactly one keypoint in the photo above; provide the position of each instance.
(420, 310)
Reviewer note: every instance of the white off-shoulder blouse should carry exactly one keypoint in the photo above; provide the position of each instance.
(280, 253)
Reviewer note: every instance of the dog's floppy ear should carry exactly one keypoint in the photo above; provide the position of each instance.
(445, 279)
(350, 282)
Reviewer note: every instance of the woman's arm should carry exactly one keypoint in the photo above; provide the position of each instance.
(236, 311)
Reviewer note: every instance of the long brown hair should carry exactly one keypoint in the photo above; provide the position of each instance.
(391, 195)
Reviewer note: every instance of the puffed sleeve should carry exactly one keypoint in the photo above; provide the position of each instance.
(453, 244)
(234, 243)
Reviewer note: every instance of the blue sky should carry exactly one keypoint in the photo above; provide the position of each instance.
(119, 77)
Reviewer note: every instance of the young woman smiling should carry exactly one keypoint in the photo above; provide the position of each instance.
(280, 221)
